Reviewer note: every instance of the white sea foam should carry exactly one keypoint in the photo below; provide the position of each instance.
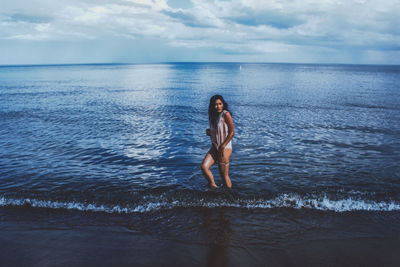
(284, 201)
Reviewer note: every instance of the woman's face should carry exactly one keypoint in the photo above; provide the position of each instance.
(219, 106)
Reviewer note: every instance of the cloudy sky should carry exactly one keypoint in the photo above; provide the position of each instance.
(142, 31)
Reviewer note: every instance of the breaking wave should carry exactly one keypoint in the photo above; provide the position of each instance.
(293, 201)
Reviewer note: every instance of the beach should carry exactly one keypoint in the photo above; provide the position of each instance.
(100, 165)
(70, 238)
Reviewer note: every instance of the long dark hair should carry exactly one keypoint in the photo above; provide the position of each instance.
(212, 113)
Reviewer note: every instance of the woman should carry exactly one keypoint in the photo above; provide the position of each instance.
(221, 133)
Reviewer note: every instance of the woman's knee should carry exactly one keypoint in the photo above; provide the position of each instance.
(204, 167)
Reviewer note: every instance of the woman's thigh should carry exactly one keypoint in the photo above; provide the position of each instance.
(209, 159)
(226, 156)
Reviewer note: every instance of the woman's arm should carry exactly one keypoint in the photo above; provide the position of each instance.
(231, 131)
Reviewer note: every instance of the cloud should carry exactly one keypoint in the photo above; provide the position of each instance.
(27, 18)
(286, 29)
(187, 19)
(276, 20)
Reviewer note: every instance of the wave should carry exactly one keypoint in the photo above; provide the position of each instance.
(293, 201)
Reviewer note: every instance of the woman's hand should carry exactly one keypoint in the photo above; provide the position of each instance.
(221, 150)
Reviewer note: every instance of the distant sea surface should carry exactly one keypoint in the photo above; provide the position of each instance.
(311, 142)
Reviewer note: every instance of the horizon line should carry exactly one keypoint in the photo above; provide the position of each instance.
(187, 62)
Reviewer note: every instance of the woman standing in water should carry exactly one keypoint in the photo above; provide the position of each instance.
(221, 133)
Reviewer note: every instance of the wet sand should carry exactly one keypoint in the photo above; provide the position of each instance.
(42, 240)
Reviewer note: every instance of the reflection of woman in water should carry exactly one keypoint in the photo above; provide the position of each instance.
(221, 133)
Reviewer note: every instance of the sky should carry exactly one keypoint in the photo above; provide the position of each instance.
(152, 31)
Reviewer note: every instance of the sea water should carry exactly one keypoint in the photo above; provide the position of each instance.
(132, 137)
(310, 140)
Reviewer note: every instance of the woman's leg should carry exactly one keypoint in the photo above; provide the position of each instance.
(223, 165)
(205, 167)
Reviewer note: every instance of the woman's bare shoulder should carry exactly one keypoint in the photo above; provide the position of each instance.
(227, 113)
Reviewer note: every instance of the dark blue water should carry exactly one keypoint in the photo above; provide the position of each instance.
(131, 138)
(100, 165)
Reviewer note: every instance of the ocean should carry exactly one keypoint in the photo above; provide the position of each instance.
(107, 157)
